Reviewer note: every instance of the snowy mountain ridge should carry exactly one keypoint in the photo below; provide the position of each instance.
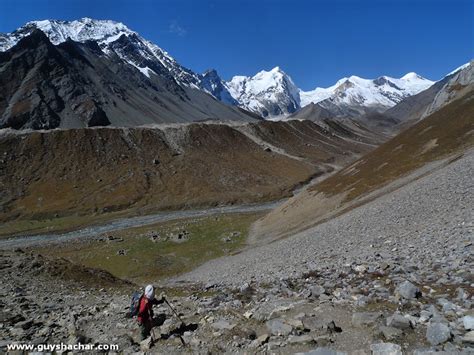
(112, 37)
(274, 94)
(379, 94)
(268, 93)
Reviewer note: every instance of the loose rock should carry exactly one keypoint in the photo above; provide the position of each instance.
(437, 333)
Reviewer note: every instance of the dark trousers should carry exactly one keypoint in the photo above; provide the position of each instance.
(145, 327)
(145, 330)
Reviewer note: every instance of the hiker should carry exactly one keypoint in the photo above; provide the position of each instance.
(145, 310)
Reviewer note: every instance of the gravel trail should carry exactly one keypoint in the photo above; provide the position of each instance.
(428, 221)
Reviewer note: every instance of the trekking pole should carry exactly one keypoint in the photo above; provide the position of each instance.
(182, 323)
(174, 311)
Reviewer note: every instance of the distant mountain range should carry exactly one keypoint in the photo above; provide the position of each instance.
(98, 72)
(408, 110)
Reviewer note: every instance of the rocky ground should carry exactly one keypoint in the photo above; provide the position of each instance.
(362, 310)
(425, 226)
(391, 276)
(421, 233)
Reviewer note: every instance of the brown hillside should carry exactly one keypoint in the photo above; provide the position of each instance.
(444, 133)
(338, 143)
(93, 172)
(100, 170)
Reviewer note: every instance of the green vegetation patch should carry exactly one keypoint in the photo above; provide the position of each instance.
(153, 252)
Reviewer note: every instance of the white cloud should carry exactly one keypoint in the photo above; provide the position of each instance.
(175, 28)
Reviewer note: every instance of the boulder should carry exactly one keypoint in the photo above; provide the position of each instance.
(333, 328)
(468, 338)
(223, 325)
(26, 324)
(468, 322)
(437, 333)
(408, 291)
(398, 321)
(324, 340)
(314, 323)
(262, 339)
(300, 339)
(447, 306)
(365, 318)
(146, 344)
(324, 351)
(317, 290)
(278, 327)
(248, 314)
(295, 323)
(390, 333)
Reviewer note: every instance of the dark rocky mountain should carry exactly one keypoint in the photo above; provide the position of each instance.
(212, 83)
(76, 84)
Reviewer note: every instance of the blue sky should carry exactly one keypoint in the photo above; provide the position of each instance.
(315, 42)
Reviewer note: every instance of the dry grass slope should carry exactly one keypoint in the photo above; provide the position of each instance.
(93, 171)
(65, 179)
(445, 133)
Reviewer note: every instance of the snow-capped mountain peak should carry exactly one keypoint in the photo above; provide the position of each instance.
(411, 76)
(380, 93)
(269, 93)
(140, 53)
(273, 93)
(81, 30)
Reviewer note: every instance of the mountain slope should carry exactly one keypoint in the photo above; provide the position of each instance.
(136, 51)
(446, 132)
(74, 85)
(273, 94)
(140, 169)
(383, 91)
(270, 94)
(213, 84)
(413, 108)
